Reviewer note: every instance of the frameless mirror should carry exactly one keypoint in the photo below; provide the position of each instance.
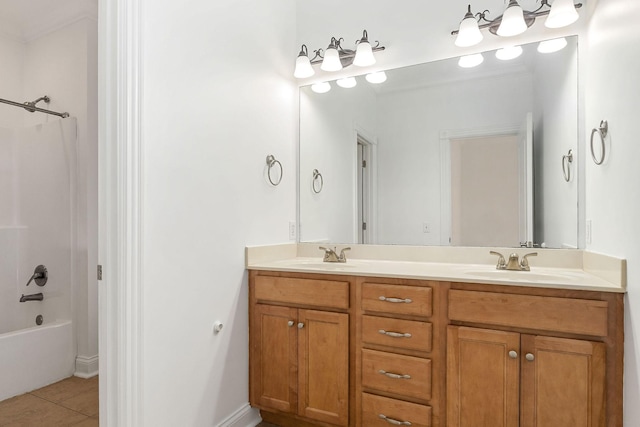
(438, 154)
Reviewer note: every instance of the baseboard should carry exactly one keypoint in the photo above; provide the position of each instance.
(86, 367)
(245, 416)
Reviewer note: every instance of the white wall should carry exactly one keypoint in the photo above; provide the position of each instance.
(218, 98)
(611, 72)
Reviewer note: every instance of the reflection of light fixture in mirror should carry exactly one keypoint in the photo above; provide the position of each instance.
(563, 13)
(347, 82)
(469, 34)
(335, 57)
(507, 53)
(515, 20)
(470, 61)
(376, 78)
(303, 65)
(550, 46)
(323, 87)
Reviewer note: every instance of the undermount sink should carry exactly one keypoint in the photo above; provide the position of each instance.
(524, 276)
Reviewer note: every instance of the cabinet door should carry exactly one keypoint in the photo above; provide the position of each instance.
(323, 349)
(482, 378)
(563, 382)
(274, 357)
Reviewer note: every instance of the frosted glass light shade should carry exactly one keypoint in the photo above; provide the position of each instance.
(550, 46)
(347, 82)
(469, 33)
(323, 87)
(376, 78)
(508, 53)
(563, 13)
(471, 61)
(331, 61)
(512, 21)
(364, 55)
(303, 67)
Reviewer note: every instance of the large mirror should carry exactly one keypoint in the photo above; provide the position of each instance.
(438, 154)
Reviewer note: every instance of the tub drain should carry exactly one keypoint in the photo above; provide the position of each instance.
(39, 319)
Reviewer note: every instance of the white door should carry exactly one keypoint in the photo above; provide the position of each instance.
(525, 159)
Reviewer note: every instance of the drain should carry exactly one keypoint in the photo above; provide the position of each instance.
(39, 319)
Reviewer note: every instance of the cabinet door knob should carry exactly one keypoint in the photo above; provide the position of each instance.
(290, 323)
(300, 325)
(513, 354)
(530, 357)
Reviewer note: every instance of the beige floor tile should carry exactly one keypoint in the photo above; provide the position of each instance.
(31, 411)
(85, 403)
(67, 388)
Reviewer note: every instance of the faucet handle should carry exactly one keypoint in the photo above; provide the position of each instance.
(501, 261)
(343, 256)
(524, 262)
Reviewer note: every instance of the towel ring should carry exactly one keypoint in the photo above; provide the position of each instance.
(271, 161)
(603, 130)
(317, 177)
(567, 159)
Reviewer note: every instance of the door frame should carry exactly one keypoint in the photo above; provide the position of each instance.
(361, 134)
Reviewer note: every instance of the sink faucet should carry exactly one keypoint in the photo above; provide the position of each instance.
(513, 263)
(32, 297)
(330, 255)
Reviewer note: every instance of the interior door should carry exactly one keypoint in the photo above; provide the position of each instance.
(525, 166)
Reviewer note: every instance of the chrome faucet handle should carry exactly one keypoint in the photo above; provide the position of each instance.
(524, 263)
(343, 256)
(329, 255)
(501, 261)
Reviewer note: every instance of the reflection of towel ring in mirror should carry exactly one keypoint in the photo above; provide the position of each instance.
(603, 130)
(271, 161)
(567, 159)
(317, 177)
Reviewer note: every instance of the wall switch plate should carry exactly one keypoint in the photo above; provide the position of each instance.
(426, 227)
(292, 230)
(587, 234)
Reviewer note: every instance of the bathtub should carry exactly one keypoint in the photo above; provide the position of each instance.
(35, 357)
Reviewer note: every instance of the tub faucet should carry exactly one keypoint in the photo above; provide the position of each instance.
(330, 255)
(32, 297)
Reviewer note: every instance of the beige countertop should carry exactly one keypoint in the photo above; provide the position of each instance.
(552, 268)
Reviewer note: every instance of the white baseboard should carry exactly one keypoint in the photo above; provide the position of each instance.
(86, 367)
(245, 416)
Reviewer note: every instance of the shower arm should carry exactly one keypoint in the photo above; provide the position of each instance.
(31, 106)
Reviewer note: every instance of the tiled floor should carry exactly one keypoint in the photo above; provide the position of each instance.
(70, 402)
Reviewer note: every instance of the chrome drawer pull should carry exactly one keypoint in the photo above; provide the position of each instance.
(394, 422)
(395, 376)
(394, 334)
(395, 300)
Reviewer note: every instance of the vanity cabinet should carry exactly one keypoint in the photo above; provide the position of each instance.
(299, 341)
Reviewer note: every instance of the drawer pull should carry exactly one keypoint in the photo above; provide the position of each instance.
(395, 376)
(395, 300)
(394, 422)
(394, 334)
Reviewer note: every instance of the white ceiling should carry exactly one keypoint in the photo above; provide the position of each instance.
(28, 19)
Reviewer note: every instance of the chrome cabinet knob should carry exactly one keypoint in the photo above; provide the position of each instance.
(300, 325)
(513, 354)
(530, 357)
(290, 323)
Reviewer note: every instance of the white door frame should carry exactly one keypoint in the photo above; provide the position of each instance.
(120, 213)
(361, 133)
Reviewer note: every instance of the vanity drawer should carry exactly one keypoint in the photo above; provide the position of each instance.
(397, 299)
(403, 334)
(374, 408)
(312, 292)
(394, 373)
(571, 315)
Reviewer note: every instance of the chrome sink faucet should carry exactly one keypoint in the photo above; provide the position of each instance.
(513, 263)
(330, 255)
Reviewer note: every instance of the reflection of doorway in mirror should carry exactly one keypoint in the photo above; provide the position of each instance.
(485, 199)
(364, 187)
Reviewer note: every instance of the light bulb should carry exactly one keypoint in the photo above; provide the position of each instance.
(563, 13)
(322, 87)
(303, 65)
(470, 61)
(550, 46)
(508, 53)
(376, 78)
(347, 82)
(364, 52)
(469, 33)
(512, 21)
(331, 61)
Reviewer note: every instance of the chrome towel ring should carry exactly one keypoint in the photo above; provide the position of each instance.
(567, 159)
(271, 162)
(602, 131)
(317, 182)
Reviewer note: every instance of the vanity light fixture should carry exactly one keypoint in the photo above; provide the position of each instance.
(470, 61)
(322, 87)
(514, 20)
(336, 57)
(508, 53)
(376, 78)
(554, 45)
(347, 82)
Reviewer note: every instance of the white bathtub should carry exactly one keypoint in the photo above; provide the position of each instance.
(35, 357)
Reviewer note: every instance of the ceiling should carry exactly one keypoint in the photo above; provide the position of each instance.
(29, 19)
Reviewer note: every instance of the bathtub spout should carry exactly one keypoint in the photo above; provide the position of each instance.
(32, 297)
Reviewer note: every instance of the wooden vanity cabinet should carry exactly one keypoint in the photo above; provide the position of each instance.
(299, 341)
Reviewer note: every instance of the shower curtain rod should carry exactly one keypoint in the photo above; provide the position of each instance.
(31, 106)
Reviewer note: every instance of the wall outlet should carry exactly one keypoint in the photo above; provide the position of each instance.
(292, 230)
(587, 233)
(426, 227)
